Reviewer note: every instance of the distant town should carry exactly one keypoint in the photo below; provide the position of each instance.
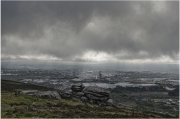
(105, 79)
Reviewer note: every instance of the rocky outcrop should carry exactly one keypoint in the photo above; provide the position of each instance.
(92, 94)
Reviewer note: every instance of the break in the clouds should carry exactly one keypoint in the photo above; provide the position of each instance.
(91, 31)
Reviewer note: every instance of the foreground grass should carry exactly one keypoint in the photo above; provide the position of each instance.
(30, 106)
(25, 106)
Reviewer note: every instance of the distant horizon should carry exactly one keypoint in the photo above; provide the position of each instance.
(153, 67)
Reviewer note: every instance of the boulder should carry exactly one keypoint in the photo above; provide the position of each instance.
(77, 87)
(96, 94)
(110, 102)
(49, 94)
(80, 94)
(66, 94)
(97, 90)
(84, 99)
(93, 97)
(29, 92)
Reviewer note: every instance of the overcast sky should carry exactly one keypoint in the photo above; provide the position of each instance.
(118, 31)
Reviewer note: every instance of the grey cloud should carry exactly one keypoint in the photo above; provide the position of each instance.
(69, 29)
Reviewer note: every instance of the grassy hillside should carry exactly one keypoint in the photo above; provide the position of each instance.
(30, 106)
(12, 86)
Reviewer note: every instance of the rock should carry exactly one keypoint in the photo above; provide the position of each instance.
(92, 97)
(110, 102)
(66, 94)
(92, 101)
(96, 90)
(77, 87)
(96, 94)
(49, 94)
(101, 103)
(84, 99)
(29, 92)
(80, 94)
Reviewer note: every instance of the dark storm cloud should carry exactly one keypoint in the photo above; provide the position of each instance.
(34, 16)
(67, 30)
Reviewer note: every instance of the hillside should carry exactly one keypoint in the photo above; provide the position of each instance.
(22, 106)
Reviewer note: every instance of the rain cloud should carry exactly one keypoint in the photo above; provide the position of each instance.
(90, 31)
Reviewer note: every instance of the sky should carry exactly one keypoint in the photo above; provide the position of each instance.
(89, 31)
